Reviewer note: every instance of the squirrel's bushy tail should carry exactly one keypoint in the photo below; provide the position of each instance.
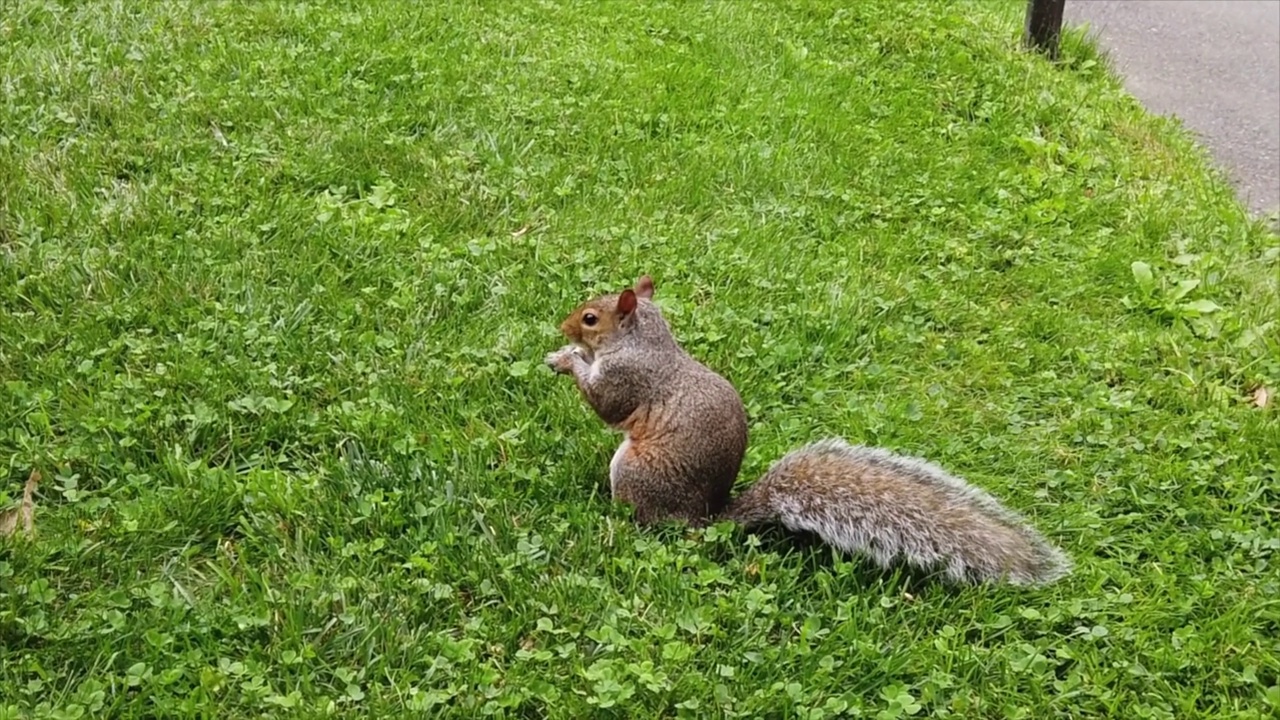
(893, 507)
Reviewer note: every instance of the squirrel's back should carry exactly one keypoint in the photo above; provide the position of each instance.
(683, 450)
(892, 507)
(685, 426)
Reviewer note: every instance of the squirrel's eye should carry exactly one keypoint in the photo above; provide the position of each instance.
(589, 319)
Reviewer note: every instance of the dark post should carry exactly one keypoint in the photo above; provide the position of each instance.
(1044, 25)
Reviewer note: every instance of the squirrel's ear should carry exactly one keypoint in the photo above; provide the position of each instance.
(627, 302)
(644, 287)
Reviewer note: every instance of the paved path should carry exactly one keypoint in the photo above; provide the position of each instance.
(1213, 63)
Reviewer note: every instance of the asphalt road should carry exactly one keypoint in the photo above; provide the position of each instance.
(1215, 64)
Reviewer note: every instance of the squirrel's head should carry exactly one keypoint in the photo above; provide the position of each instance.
(601, 320)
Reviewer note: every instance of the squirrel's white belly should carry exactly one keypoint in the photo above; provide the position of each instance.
(616, 461)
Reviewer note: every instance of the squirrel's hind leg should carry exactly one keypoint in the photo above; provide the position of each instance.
(616, 465)
(654, 500)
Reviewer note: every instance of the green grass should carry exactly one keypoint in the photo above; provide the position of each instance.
(248, 249)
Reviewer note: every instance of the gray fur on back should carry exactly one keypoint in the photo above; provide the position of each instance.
(672, 400)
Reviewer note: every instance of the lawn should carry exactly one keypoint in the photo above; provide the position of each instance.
(276, 282)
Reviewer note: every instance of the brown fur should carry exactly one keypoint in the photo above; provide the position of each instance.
(686, 427)
(687, 433)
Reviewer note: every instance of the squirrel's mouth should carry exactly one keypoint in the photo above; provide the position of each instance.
(587, 354)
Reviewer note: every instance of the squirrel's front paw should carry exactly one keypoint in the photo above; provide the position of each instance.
(562, 360)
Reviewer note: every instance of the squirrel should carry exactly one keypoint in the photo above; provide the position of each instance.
(685, 435)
